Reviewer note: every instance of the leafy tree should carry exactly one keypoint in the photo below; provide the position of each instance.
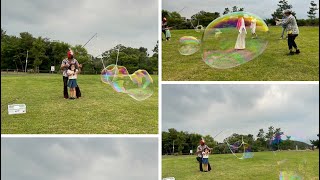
(234, 9)
(226, 11)
(38, 52)
(165, 14)
(315, 142)
(204, 18)
(312, 10)
(282, 5)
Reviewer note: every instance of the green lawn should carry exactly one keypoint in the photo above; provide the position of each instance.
(263, 166)
(100, 110)
(272, 65)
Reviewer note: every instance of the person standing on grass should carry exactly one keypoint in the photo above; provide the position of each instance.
(292, 30)
(64, 67)
(168, 34)
(164, 25)
(205, 159)
(253, 27)
(241, 39)
(201, 149)
(72, 76)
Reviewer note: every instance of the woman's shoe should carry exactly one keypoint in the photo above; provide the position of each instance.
(291, 53)
(297, 51)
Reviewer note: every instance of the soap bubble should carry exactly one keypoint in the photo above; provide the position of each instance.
(116, 76)
(141, 87)
(199, 28)
(289, 175)
(138, 85)
(188, 45)
(220, 37)
(292, 170)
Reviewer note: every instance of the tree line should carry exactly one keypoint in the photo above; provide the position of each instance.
(43, 53)
(181, 142)
(176, 21)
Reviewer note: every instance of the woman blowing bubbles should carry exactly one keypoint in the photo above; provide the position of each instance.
(292, 29)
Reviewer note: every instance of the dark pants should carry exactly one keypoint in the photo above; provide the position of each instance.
(199, 159)
(65, 88)
(291, 42)
(164, 32)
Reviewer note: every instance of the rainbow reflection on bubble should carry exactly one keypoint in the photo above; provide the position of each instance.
(220, 36)
(287, 175)
(138, 85)
(142, 86)
(188, 45)
(115, 76)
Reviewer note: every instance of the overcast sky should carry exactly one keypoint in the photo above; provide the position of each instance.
(242, 109)
(130, 22)
(264, 9)
(79, 158)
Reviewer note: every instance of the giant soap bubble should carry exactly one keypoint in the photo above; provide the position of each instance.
(116, 76)
(188, 45)
(138, 85)
(228, 41)
(141, 87)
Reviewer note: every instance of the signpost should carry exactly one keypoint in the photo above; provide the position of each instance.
(52, 69)
(25, 70)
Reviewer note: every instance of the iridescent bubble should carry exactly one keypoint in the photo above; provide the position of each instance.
(199, 28)
(188, 45)
(138, 85)
(142, 86)
(241, 147)
(289, 175)
(226, 41)
(116, 77)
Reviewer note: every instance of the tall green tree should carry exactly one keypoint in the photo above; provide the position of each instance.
(204, 18)
(226, 11)
(282, 5)
(38, 52)
(315, 142)
(312, 10)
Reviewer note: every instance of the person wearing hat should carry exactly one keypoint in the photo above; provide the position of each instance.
(292, 30)
(199, 153)
(70, 60)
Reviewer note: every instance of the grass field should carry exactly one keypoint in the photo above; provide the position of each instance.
(100, 110)
(263, 166)
(272, 65)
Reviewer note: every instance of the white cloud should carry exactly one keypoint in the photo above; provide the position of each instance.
(79, 158)
(242, 109)
(264, 9)
(129, 22)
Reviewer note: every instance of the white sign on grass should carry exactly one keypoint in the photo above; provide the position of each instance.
(169, 178)
(17, 109)
(52, 68)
